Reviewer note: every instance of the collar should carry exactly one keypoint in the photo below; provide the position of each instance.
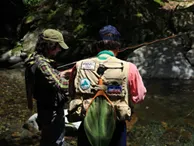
(102, 55)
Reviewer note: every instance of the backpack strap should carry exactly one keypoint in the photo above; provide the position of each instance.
(100, 93)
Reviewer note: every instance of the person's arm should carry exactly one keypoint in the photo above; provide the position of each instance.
(51, 74)
(71, 82)
(65, 73)
(136, 85)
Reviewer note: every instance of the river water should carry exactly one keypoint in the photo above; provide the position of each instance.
(164, 118)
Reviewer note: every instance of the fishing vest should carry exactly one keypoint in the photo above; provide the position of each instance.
(114, 73)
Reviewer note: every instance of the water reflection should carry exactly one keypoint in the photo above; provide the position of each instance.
(166, 117)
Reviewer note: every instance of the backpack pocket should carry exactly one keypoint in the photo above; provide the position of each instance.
(123, 110)
(74, 110)
(77, 109)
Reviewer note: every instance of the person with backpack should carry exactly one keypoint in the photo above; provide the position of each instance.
(101, 89)
(47, 87)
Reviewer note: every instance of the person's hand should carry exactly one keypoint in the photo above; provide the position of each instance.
(65, 73)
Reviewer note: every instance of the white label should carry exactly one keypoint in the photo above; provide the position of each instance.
(88, 65)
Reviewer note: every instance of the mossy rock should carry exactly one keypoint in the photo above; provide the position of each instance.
(17, 50)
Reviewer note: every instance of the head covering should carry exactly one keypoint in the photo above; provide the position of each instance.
(54, 36)
(109, 32)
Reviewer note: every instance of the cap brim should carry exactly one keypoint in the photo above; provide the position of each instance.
(63, 45)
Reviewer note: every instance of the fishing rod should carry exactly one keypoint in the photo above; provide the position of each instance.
(148, 43)
(129, 48)
(66, 65)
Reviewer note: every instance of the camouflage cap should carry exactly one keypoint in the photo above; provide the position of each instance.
(54, 36)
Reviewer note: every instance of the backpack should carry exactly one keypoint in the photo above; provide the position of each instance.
(99, 113)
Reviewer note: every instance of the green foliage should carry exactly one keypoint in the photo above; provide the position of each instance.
(139, 14)
(31, 2)
(78, 13)
(79, 28)
(51, 15)
(29, 19)
(159, 2)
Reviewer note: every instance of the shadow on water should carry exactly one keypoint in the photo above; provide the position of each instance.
(166, 116)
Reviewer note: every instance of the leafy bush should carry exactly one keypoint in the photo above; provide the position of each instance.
(31, 2)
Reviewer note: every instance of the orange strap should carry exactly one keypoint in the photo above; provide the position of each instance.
(100, 92)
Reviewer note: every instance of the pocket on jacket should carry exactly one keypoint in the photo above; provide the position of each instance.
(123, 110)
(75, 110)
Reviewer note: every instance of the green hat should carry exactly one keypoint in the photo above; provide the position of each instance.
(54, 36)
